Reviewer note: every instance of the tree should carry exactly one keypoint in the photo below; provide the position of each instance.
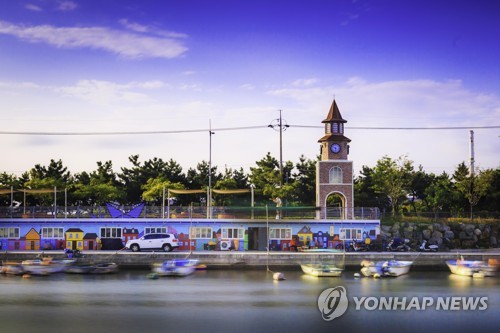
(134, 178)
(266, 179)
(392, 178)
(419, 182)
(42, 177)
(198, 179)
(153, 189)
(491, 201)
(305, 182)
(438, 195)
(473, 187)
(98, 187)
(365, 194)
(6, 182)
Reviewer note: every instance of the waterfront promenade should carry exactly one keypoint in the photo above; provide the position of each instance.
(262, 259)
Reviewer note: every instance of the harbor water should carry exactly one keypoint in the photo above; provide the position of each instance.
(237, 301)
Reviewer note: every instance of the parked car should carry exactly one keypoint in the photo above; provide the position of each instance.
(166, 242)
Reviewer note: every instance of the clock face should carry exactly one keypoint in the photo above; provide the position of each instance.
(335, 148)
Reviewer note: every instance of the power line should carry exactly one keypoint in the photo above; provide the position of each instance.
(234, 129)
(405, 128)
(128, 132)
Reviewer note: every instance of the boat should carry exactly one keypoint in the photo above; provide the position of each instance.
(104, 268)
(321, 270)
(12, 268)
(46, 266)
(470, 267)
(386, 268)
(175, 267)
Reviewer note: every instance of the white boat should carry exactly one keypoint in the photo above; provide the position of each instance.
(469, 267)
(321, 270)
(12, 268)
(175, 267)
(386, 268)
(46, 266)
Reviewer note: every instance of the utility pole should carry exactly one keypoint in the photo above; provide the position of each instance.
(209, 196)
(280, 126)
(472, 173)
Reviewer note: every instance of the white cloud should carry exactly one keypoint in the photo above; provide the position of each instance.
(304, 82)
(149, 29)
(247, 86)
(66, 6)
(410, 103)
(33, 7)
(126, 44)
(105, 92)
(155, 105)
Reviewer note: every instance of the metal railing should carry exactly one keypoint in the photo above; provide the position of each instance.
(197, 212)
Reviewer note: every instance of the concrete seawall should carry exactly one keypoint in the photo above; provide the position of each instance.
(261, 260)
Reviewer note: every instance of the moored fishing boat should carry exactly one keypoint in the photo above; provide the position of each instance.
(321, 270)
(386, 268)
(12, 268)
(470, 267)
(175, 267)
(45, 266)
(105, 268)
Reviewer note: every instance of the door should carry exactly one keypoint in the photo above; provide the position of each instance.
(257, 238)
(73, 245)
(32, 245)
(91, 245)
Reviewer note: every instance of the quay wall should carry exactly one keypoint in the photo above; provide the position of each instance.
(259, 259)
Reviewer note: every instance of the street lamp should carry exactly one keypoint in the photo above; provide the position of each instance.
(277, 124)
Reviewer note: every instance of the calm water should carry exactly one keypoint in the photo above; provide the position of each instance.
(232, 301)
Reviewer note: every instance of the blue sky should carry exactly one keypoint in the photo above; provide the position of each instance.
(127, 66)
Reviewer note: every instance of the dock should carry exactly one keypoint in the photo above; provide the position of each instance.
(261, 259)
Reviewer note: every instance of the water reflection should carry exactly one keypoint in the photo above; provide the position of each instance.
(229, 301)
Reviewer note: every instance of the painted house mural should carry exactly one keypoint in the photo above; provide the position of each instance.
(223, 235)
(74, 239)
(32, 240)
(91, 241)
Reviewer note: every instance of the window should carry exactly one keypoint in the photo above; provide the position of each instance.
(9, 232)
(280, 233)
(160, 230)
(52, 232)
(229, 233)
(335, 175)
(351, 233)
(201, 233)
(327, 129)
(335, 127)
(111, 232)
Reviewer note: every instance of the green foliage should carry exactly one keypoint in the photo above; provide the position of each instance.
(393, 179)
(392, 184)
(154, 189)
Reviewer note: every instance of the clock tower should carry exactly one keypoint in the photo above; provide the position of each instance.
(334, 173)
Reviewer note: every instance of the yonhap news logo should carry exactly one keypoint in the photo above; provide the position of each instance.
(333, 303)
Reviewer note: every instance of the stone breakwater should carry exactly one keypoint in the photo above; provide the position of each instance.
(448, 236)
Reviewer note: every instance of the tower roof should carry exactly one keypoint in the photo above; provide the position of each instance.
(334, 115)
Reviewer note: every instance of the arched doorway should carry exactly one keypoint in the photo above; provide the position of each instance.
(335, 205)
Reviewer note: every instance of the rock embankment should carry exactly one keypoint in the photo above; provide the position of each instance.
(445, 235)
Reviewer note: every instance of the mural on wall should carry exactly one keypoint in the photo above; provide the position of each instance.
(211, 235)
